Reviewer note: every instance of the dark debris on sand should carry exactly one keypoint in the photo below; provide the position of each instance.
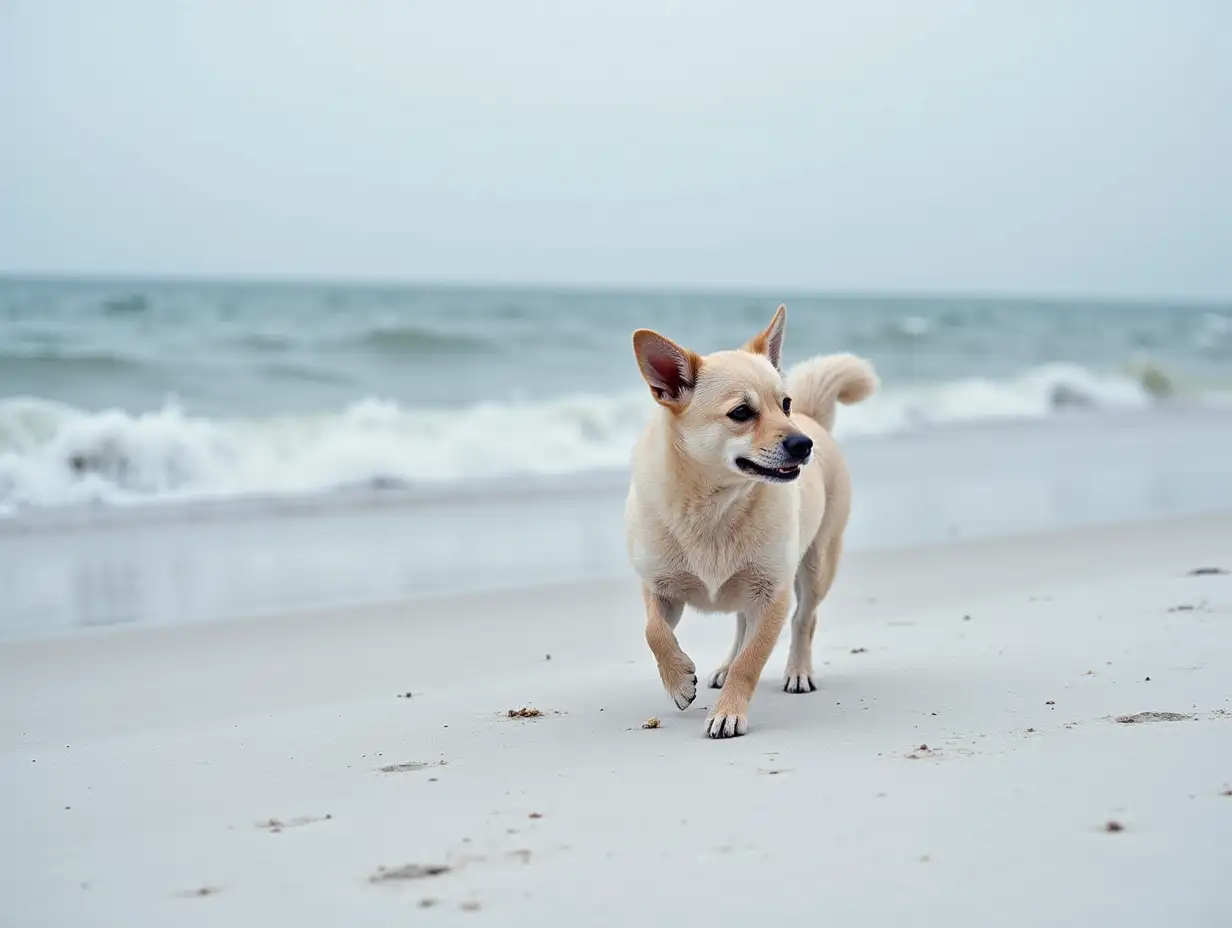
(201, 893)
(526, 712)
(412, 765)
(408, 872)
(1139, 718)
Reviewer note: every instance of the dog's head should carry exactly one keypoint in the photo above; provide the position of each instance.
(729, 410)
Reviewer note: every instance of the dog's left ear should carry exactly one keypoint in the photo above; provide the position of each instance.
(770, 342)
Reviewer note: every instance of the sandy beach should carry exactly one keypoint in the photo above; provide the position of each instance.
(973, 755)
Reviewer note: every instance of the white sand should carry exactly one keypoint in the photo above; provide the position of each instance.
(137, 765)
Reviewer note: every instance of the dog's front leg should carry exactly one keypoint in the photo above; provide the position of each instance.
(675, 669)
(766, 615)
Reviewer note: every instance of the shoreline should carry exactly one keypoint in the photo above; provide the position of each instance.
(227, 562)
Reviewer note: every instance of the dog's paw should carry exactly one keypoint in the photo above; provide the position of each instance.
(717, 678)
(680, 681)
(796, 682)
(727, 725)
(730, 717)
(684, 692)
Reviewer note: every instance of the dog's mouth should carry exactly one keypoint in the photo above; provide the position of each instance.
(773, 474)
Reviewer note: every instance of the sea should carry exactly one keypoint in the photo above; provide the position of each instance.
(184, 451)
(130, 394)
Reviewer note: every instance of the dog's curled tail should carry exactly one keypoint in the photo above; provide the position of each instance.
(816, 384)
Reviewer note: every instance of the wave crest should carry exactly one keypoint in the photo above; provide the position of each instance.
(55, 455)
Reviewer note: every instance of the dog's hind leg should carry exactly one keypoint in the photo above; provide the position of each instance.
(813, 580)
(719, 675)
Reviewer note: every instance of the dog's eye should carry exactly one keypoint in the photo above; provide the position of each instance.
(741, 413)
(787, 405)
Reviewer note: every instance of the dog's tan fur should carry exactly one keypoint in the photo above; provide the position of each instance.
(703, 532)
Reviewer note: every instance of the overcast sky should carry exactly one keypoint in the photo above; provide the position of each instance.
(1058, 146)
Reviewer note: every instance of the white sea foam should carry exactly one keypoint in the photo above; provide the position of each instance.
(914, 326)
(53, 455)
(1215, 330)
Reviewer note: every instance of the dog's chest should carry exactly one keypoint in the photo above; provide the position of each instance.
(713, 567)
(708, 579)
(709, 556)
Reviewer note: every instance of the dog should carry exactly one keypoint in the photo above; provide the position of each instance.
(739, 494)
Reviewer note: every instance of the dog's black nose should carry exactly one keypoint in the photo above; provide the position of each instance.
(798, 446)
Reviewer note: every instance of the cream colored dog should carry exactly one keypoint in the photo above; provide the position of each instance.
(739, 493)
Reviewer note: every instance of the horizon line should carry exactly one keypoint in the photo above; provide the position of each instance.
(603, 286)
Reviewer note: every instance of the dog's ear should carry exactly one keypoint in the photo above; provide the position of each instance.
(671, 371)
(770, 342)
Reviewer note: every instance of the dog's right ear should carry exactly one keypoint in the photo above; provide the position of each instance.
(671, 371)
(770, 342)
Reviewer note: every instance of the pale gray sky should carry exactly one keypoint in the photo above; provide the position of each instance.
(1029, 146)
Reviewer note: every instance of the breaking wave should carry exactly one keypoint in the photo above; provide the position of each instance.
(53, 455)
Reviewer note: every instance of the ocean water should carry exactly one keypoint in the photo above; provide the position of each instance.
(122, 393)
